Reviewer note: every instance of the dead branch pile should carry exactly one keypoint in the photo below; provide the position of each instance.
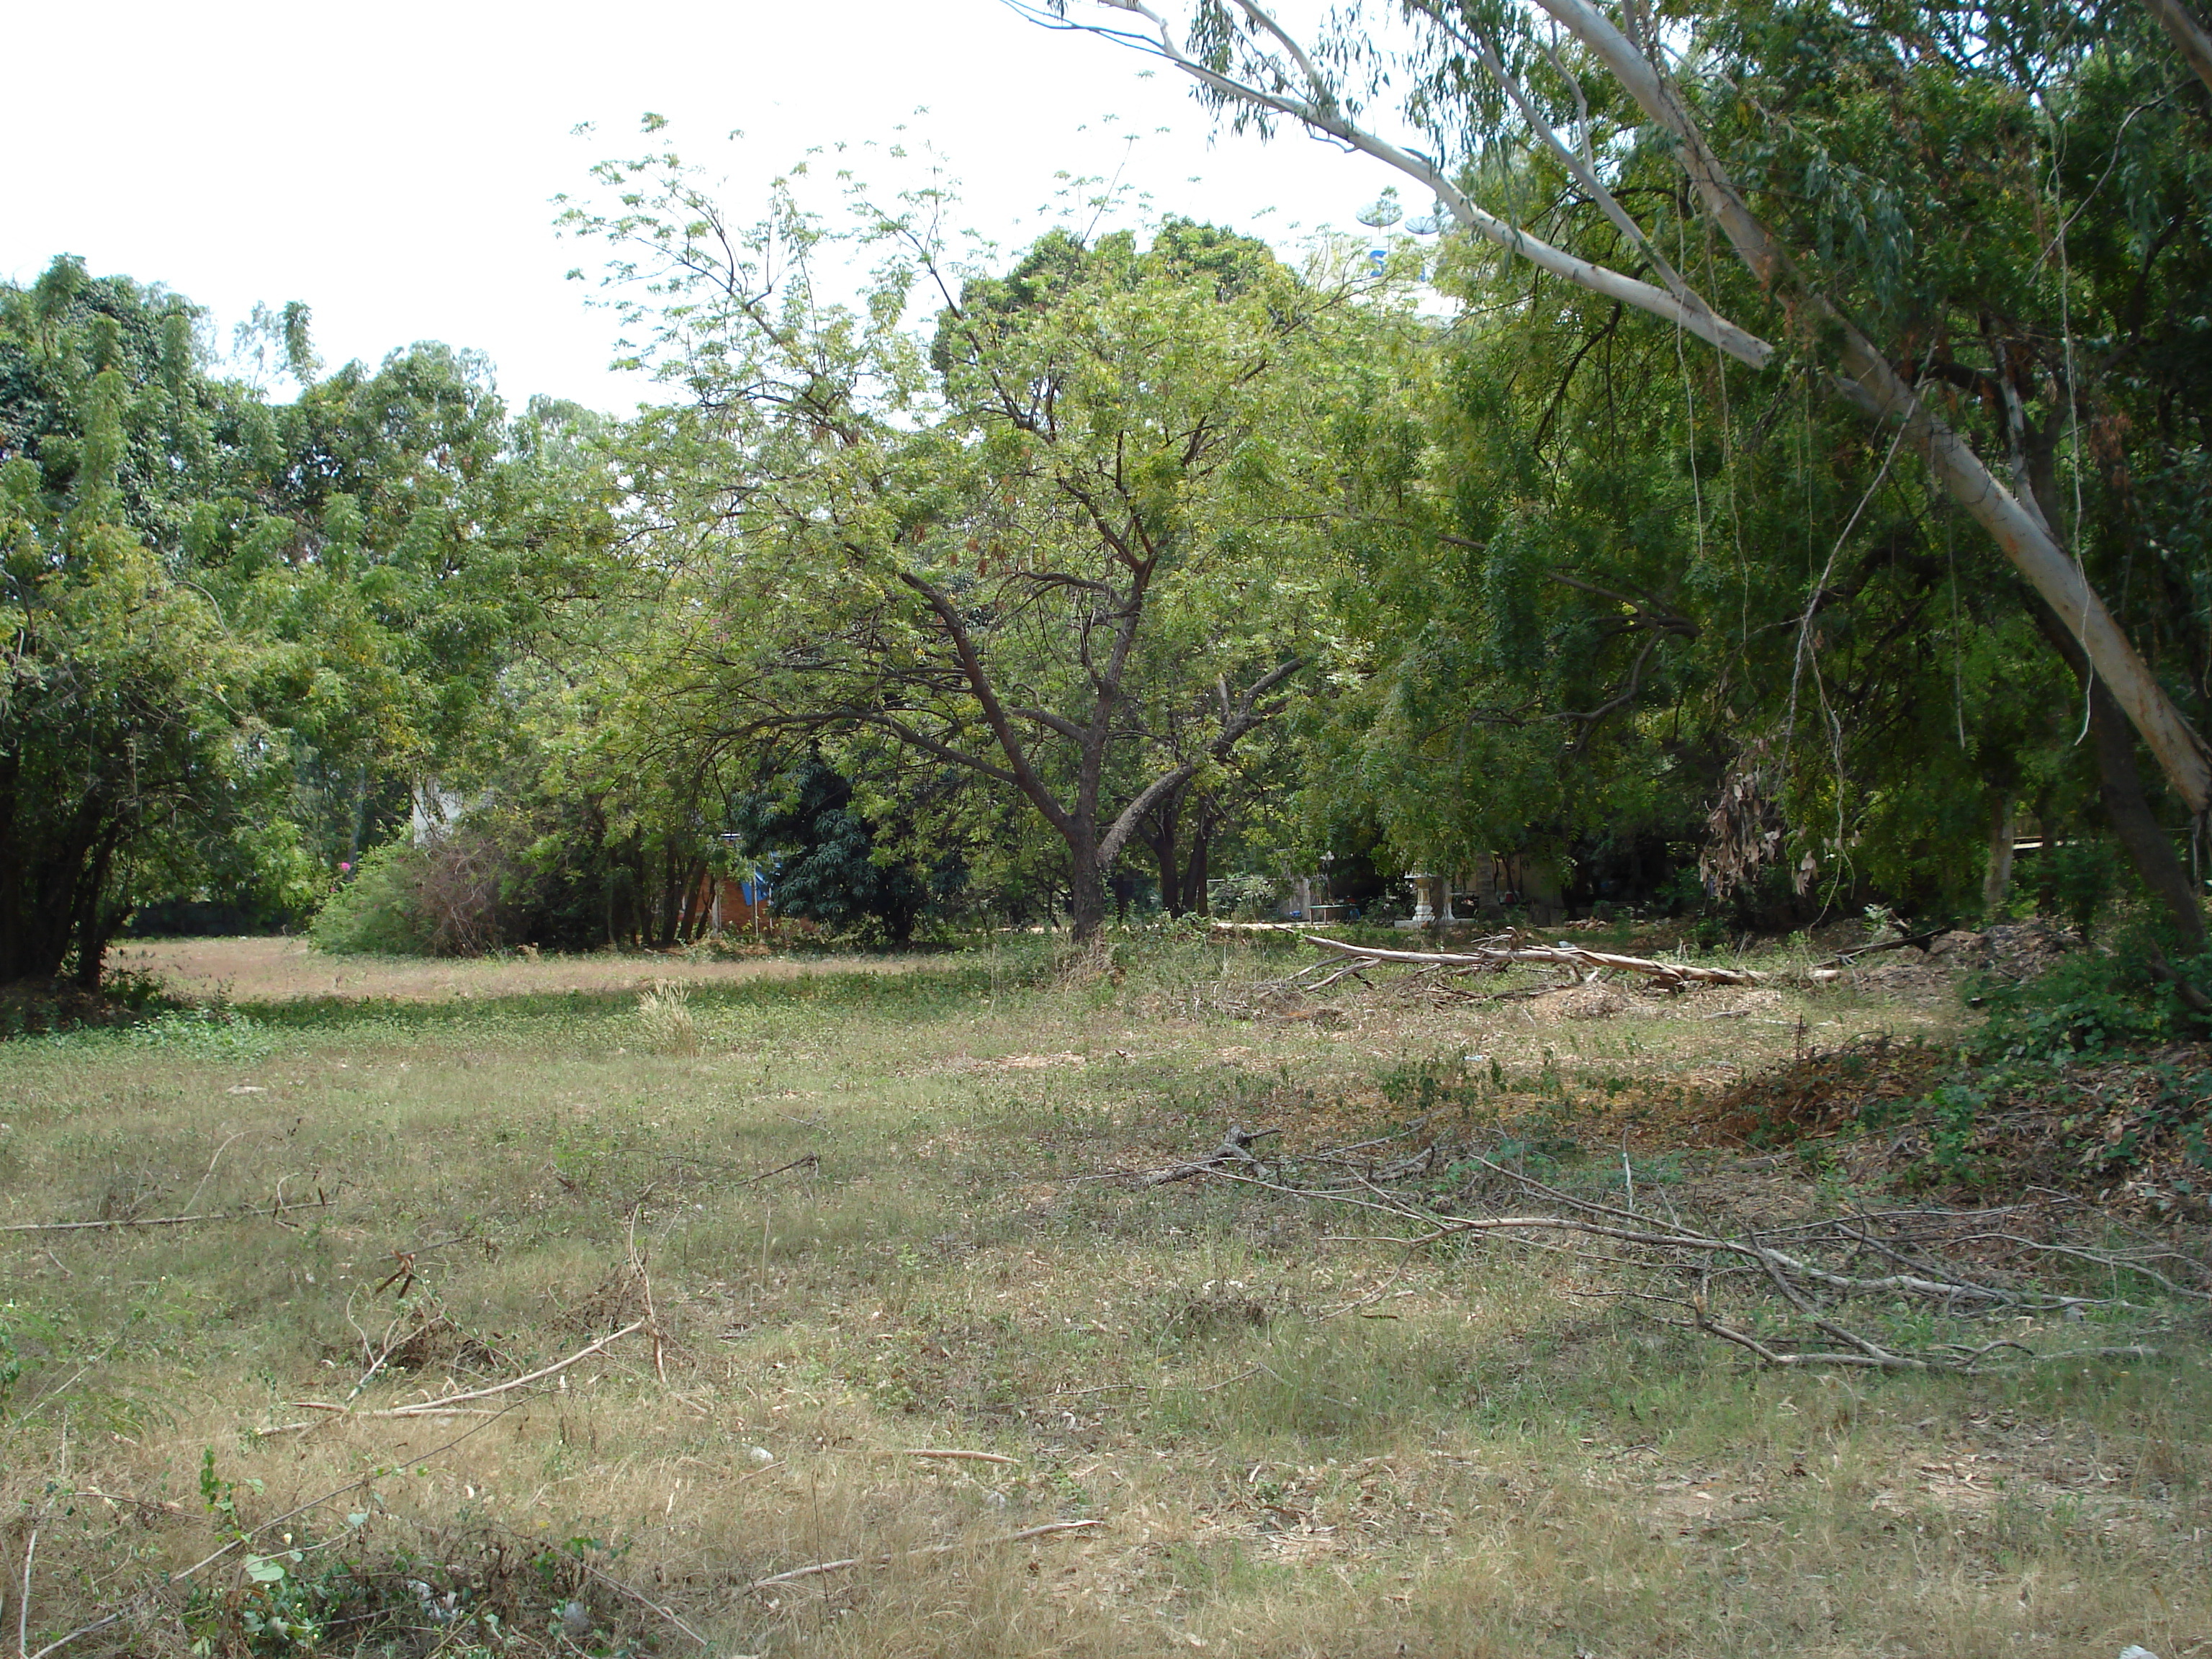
(1918, 1289)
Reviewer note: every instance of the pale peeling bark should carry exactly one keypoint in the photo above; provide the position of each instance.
(1690, 312)
(1868, 380)
(2189, 34)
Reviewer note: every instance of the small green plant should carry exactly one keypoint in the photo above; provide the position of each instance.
(204, 1034)
(1248, 897)
(1956, 1117)
(11, 1365)
(2076, 880)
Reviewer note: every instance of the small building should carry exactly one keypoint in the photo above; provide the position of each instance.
(738, 904)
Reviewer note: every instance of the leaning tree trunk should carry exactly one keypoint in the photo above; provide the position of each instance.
(2187, 33)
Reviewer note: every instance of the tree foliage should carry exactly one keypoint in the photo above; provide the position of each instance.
(237, 633)
(1065, 542)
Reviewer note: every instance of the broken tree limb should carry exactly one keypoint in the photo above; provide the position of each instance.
(1236, 1149)
(1810, 1306)
(454, 1404)
(1571, 956)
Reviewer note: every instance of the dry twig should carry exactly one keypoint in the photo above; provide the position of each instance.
(1049, 1529)
(1498, 957)
(279, 1207)
(453, 1404)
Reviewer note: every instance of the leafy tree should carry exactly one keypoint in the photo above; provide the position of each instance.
(1976, 224)
(132, 756)
(1972, 224)
(238, 633)
(804, 824)
(1024, 549)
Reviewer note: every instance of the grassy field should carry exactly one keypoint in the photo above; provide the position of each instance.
(869, 1218)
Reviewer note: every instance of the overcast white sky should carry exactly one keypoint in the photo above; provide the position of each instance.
(393, 165)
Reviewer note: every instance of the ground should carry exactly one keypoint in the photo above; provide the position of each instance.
(878, 1213)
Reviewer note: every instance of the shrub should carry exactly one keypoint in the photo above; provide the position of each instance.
(439, 899)
(374, 914)
(1247, 897)
(2076, 880)
(2092, 1002)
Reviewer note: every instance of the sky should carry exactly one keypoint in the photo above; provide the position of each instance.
(392, 166)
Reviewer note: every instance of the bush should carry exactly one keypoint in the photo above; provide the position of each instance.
(2076, 880)
(2083, 1004)
(440, 899)
(374, 913)
(1247, 897)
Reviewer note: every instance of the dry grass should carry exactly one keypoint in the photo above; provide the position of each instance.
(670, 1028)
(270, 969)
(1480, 1461)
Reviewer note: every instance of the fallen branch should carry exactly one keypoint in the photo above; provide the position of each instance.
(450, 1404)
(280, 1207)
(1049, 1529)
(1235, 1148)
(1498, 957)
(1843, 958)
(645, 1602)
(1810, 1284)
(951, 1456)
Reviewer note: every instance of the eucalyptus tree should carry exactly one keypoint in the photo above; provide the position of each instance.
(1084, 505)
(1979, 225)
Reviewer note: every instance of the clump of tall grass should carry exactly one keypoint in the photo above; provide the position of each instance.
(670, 1028)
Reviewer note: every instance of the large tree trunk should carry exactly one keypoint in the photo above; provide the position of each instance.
(1196, 873)
(1166, 815)
(94, 924)
(1997, 879)
(1086, 892)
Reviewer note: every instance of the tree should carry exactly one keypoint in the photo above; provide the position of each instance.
(235, 631)
(1082, 510)
(1817, 210)
(131, 755)
(828, 867)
